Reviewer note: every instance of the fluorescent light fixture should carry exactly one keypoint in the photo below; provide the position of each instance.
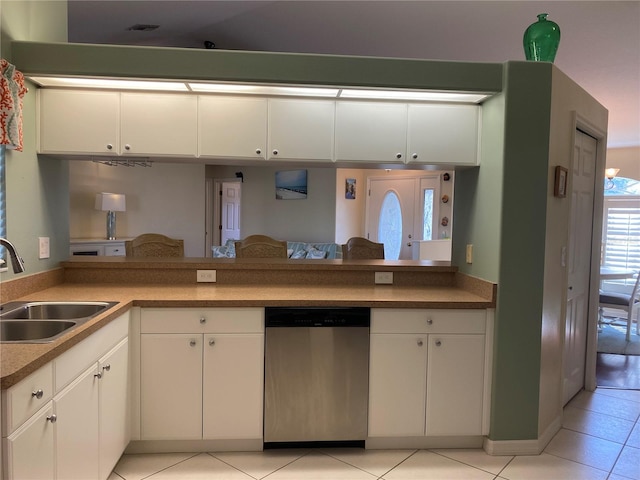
(423, 95)
(259, 89)
(115, 83)
(263, 89)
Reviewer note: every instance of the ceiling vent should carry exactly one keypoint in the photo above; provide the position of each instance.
(143, 27)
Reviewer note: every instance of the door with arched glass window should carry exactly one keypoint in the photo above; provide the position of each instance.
(393, 215)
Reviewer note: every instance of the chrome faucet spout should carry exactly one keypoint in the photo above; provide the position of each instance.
(16, 261)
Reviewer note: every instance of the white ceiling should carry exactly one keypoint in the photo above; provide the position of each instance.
(599, 46)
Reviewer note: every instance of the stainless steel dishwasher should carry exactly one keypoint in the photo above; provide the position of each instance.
(316, 376)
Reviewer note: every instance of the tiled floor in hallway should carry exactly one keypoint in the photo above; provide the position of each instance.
(600, 440)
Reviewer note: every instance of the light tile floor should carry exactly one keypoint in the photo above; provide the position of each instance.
(599, 440)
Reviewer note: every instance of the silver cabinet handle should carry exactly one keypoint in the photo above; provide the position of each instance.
(409, 244)
(109, 146)
(212, 342)
(275, 152)
(438, 343)
(398, 155)
(258, 151)
(420, 343)
(203, 320)
(192, 343)
(429, 321)
(98, 375)
(38, 394)
(53, 418)
(127, 147)
(414, 156)
(107, 367)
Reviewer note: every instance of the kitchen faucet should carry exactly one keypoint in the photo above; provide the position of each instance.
(16, 262)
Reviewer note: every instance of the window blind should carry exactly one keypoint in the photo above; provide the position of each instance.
(621, 233)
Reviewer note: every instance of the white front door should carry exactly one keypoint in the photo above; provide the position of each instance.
(230, 215)
(579, 263)
(391, 215)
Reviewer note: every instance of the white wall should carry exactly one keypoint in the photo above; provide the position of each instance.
(626, 159)
(568, 99)
(307, 220)
(165, 198)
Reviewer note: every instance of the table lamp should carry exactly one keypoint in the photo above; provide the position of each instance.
(110, 203)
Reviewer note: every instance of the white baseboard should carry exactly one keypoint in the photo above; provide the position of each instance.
(384, 443)
(523, 447)
(168, 446)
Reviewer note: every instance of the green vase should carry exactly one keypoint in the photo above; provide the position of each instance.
(541, 40)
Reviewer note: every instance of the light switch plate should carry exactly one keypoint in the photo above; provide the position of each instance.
(206, 276)
(43, 247)
(469, 253)
(384, 278)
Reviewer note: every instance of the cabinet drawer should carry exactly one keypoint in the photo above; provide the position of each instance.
(20, 402)
(114, 251)
(202, 320)
(72, 362)
(399, 320)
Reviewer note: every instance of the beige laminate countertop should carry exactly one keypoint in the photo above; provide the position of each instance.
(19, 360)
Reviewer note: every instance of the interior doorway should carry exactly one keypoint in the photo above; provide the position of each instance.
(222, 211)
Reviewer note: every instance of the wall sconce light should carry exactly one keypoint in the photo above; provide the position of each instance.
(110, 203)
(610, 173)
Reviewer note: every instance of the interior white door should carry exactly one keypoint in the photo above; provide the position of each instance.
(391, 215)
(579, 263)
(230, 214)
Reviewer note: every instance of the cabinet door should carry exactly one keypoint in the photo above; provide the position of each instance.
(77, 447)
(158, 124)
(397, 377)
(171, 386)
(29, 449)
(443, 134)
(455, 384)
(233, 127)
(113, 418)
(374, 132)
(233, 386)
(78, 121)
(301, 129)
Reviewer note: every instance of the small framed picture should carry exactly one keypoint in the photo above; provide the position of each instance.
(560, 185)
(350, 189)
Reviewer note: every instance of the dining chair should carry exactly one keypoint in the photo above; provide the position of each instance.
(630, 303)
(154, 245)
(358, 248)
(261, 246)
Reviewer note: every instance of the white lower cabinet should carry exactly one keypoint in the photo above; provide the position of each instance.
(82, 431)
(29, 451)
(426, 373)
(171, 386)
(76, 428)
(201, 373)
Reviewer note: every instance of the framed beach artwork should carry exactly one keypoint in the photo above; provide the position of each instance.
(350, 189)
(291, 185)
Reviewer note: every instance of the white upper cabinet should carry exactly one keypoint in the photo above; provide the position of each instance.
(158, 124)
(371, 132)
(232, 127)
(78, 121)
(301, 129)
(443, 134)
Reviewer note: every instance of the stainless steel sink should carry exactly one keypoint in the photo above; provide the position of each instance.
(43, 322)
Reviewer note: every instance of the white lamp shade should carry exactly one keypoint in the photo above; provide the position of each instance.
(111, 202)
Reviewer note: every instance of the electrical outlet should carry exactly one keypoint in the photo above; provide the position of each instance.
(384, 278)
(206, 276)
(43, 247)
(469, 253)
